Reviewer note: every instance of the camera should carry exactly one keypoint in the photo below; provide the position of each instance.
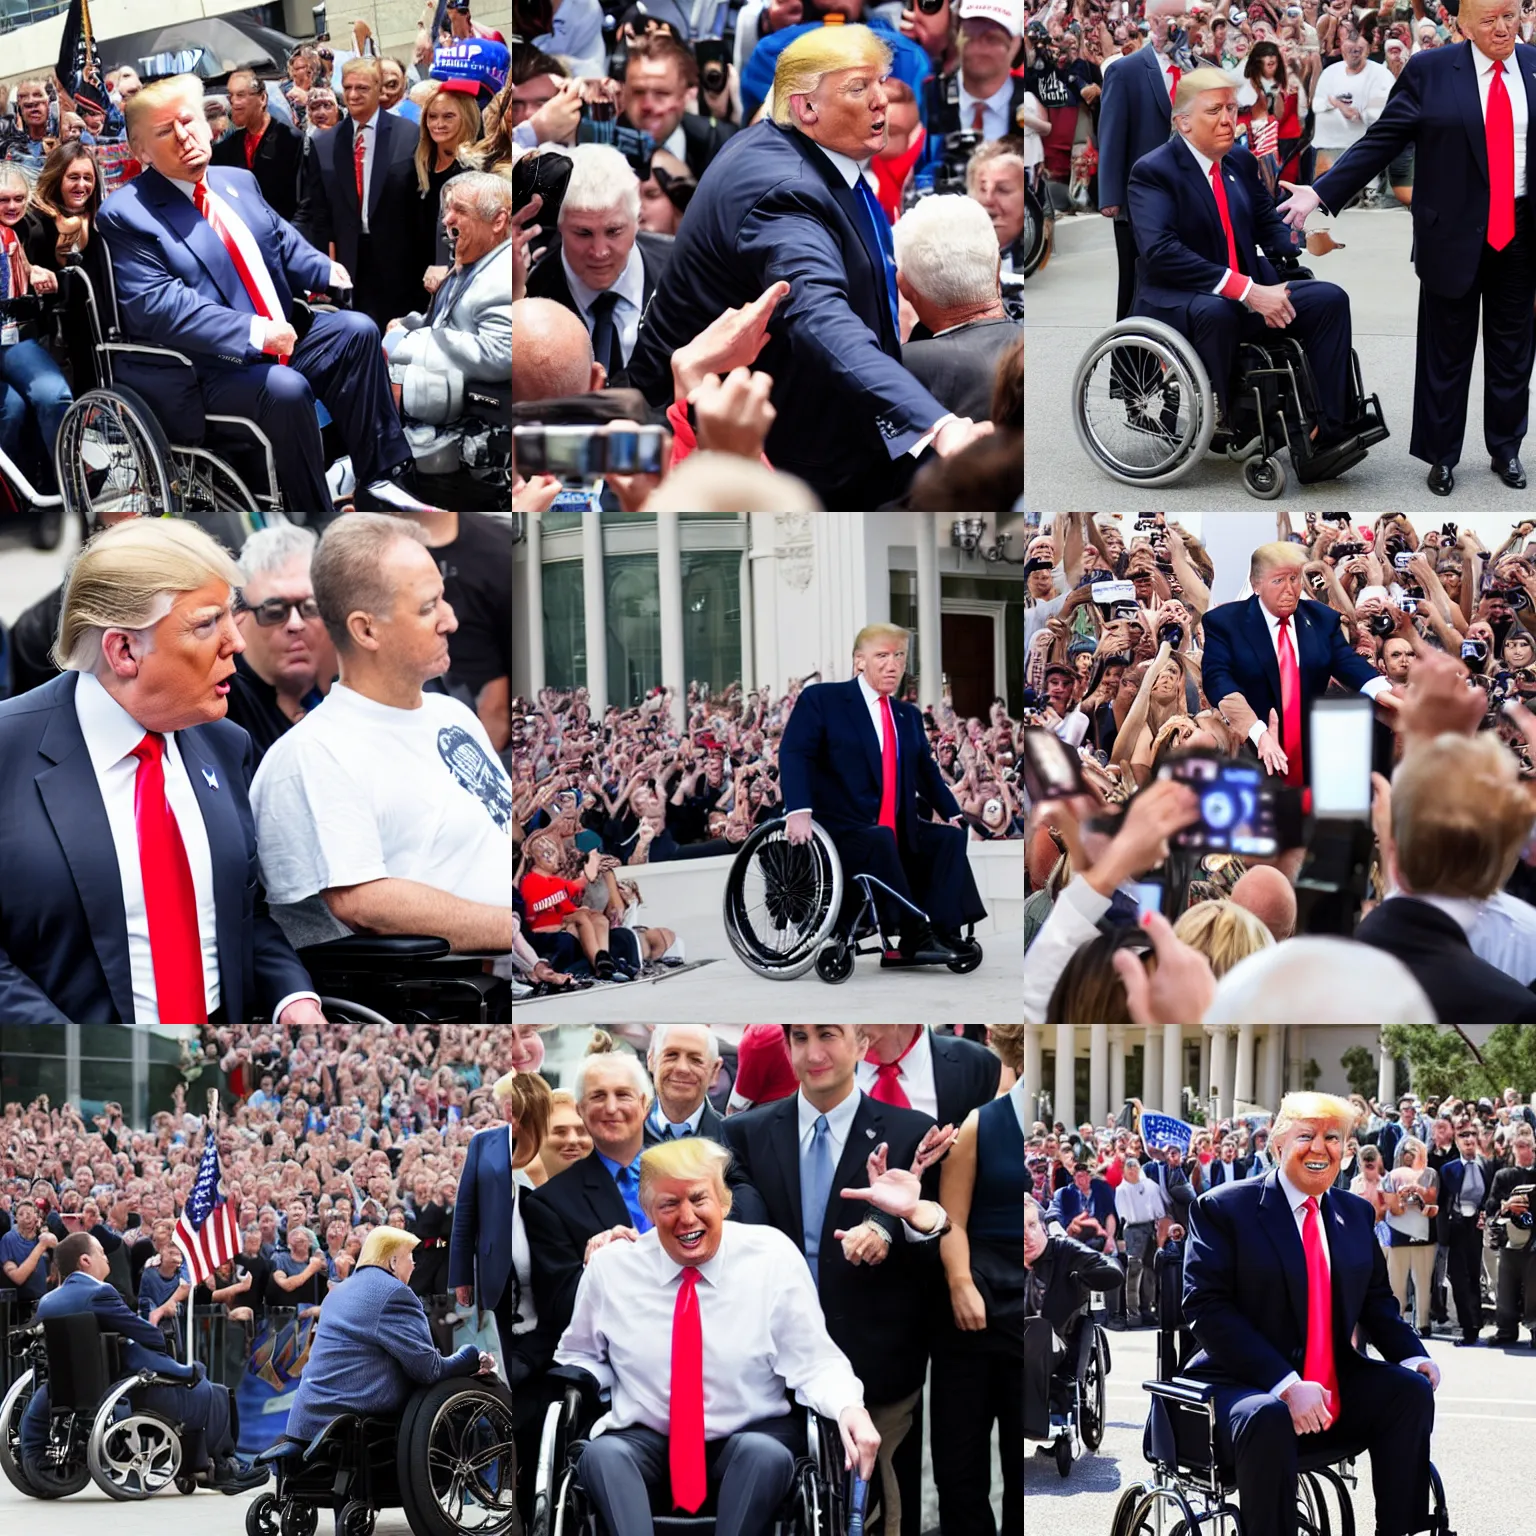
(1516, 597)
(1474, 650)
(1170, 634)
(581, 453)
(1237, 806)
(1382, 625)
(1346, 551)
(1145, 522)
(714, 56)
(1448, 531)
(1403, 559)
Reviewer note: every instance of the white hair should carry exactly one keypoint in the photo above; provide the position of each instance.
(947, 249)
(601, 178)
(270, 549)
(1323, 980)
(659, 1041)
(482, 193)
(638, 1076)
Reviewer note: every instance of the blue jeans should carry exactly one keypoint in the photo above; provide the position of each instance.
(29, 378)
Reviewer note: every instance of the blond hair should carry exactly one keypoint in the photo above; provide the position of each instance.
(690, 1157)
(128, 577)
(816, 54)
(1324, 1108)
(469, 130)
(873, 632)
(383, 1243)
(531, 1103)
(1223, 932)
(139, 107)
(1196, 82)
(348, 573)
(1270, 557)
(1463, 844)
(365, 63)
(1007, 1041)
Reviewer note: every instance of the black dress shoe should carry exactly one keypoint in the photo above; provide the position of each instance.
(1510, 471)
(1440, 480)
(920, 945)
(228, 1476)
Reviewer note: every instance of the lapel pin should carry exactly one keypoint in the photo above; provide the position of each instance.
(212, 778)
(869, 1133)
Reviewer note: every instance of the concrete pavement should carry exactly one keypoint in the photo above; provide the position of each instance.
(1072, 302)
(28, 574)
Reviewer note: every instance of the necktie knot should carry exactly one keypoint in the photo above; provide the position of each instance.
(1310, 1206)
(151, 749)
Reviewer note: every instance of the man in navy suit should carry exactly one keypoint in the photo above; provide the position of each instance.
(1206, 229)
(1472, 234)
(857, 760)
(1278, 653)
(203, 266)
(788, 200)
(1279, 1273)
(128, 849)
(1465, 1185)
(200, 1407)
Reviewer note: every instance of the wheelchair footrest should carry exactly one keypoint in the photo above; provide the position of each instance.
(1370, 426)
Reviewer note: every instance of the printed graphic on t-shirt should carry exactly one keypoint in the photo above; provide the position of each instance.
(475, 771)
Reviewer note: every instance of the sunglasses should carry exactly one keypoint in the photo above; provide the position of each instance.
(275, 610)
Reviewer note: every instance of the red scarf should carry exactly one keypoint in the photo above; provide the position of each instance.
(12, 252)
(891, 172)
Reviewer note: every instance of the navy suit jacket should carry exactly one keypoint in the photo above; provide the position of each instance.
(1451, 1175)
(830, 761)
(1239, 658)
(1245, 1284)
(1435, 107)
(772, 207)
(965, 1075)
(1135, 117)
(63, 932)
(480, 1248)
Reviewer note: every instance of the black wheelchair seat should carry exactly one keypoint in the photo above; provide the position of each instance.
(82, 1362)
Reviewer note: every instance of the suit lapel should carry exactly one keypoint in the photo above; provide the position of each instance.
(1256, 632)
(345, 167)
(783, 1136)
(1202, 199)
(1279, 1225)
(1159, 91)
(197, 234)
(1469, 100)
(1525, 62)
(382, 129)
(604, 1200)
(865, 1134)
(864, 728)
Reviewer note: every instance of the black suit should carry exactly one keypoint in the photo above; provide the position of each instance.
(562, 1217)
(548, 281)
(275, 167)
(965, 1076)
(959, 367)
(1434, 947)
(1517, 1266)
(1463, 1240)
(383, 262)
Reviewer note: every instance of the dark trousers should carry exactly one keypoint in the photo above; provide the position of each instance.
(1517, 1275)
(341, 363)
(1504, 289)
(751, 1471)
(1218, 326)
(1125, 261)
(1464, 1269)
(972, 1390)
(1384, 1409)
(932, 873)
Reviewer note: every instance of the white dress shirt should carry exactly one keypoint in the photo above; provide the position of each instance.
(522, 1255)
(630, 287)
(1233, 284)
(762, 1328)
(914, 1073)
(1375, 686)
(1519, 106)
(370, 136)
(994, 109)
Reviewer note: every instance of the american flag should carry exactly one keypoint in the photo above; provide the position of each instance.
(207, 1233)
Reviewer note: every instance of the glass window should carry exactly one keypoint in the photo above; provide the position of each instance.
(109, 1040)
(712, 618)
(629, 517)
(633, 607)
(23, 1078)
(104, 1081)
(558, 522)
(565, 625)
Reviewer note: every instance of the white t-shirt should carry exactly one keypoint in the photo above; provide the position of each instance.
(1369, 90)
(360, 791)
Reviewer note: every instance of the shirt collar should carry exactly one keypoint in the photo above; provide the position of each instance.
(1204, 162)
(999, 98)
(710, 1270)
(630, 284)
(1295, 1198)
(663, 1125)
(372, 122)
(677, 143)
(188, 189)
(1483, 62)
(870, 697)
(614, 1167)
(839, 1120)
(110, 732)
(845, 165)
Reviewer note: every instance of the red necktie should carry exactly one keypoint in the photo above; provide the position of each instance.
(13, 266)
(888, 1089)
(252, 144)
(978, 118)
(685, 1424)
(175, 947)
(359, 149)
(1290, 704)
(1174, 75)
(242, 267)
(1500, 128)
(887, 766)
(1219, 188)
(1318, 1364)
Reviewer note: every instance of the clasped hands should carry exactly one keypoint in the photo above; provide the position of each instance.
(1311, 1405)
(896, 1191)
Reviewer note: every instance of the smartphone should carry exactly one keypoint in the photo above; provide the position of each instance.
(1342, 739)
(1403, 559)
(1148, 896)
(1106, 593)
(1237, 806)
(1051, 768)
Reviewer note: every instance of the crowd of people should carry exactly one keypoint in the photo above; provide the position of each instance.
(1441, 1174)
(792, 247)
(378, 184)
(679, 779)
(349, 1150)
(1396, 900)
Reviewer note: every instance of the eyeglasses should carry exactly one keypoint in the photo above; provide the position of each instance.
(275, 610)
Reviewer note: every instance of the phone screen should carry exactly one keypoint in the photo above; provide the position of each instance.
(1148, 896)
(1341, 757)
(1236, 813)
(1051, 768)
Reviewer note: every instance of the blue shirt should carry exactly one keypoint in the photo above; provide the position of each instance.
(154, 1291)
(1070, 1203)
(16, 1249)
(628, 1180)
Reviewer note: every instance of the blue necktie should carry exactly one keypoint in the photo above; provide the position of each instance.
(815, 1190)
(882, 231)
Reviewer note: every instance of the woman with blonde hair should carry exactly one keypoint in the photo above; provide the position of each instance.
(1223, 932)
(1410, 1194)
(450, 120)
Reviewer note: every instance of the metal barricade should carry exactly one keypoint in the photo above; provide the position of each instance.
(9, 1319)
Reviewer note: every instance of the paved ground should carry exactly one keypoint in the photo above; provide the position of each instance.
(1479, 1388)
(27, 574)
(1072, 302)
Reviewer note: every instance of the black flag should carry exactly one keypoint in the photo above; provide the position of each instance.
(79, 66)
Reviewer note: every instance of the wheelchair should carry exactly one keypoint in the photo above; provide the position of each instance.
(98, 1428)
(787, 908)
(1145, 409)
(404, 979)
(20, 499)
(1076, 1392)
(1190, 1485)
(448, 1462)
(823, 1499)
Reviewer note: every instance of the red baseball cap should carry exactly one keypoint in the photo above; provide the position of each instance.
(763, 1072)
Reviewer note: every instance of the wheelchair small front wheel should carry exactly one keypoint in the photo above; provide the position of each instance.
(355, 1519)
(969, 961)
(1064, 1455)
(261, 1515)
(1263, 477)
(298, 1519)
(834, 962)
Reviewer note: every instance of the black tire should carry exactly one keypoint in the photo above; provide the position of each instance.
(185, 1482)
(970, 962)
(834, 963)
(1263, 477)
(1094, 1396)
(457, 1461)
(1063, 1450)
(47, 529)
(355, 1519)
(12, 1409)
(298, 1519)
(261, 1515)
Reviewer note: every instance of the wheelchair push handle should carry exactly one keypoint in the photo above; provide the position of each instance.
(856, 1503)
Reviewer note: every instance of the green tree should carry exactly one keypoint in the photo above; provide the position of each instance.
(1310, 1074)
(1360, 1067)
(1443, 1062)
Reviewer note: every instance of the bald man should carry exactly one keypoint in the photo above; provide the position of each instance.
(552, 353)
(1267, 894)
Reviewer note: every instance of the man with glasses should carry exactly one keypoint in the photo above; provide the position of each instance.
(1464, 1185)
(289, 663)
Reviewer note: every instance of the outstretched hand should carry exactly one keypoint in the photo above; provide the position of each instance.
(896, 1191)
(1296, 209)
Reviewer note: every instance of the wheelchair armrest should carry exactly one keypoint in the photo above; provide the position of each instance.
(1183, 1390)
(376, 946)
(287, 1446)
(337, 1426)
(573, 1376)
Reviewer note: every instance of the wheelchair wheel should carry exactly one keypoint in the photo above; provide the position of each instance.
(355, 1519)
(1143, 405)
(1094, 1395)
(1263, 477)
(211, 485)
(1039, 226)
(457, 1461)
(132, 1458)
(111, 455)
(261, 1515)
(782, 900)
(970, 962)
(834, 962)
(11, 1411)
(298, 1519)
(1063, 1449)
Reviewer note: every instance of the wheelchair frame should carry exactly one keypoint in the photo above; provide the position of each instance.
(1079, 1426)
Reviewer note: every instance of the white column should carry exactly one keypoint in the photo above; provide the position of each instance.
(1229, 1075)
(1274, 1058)
(669, 593)
(1203, 1082)
(1242, 1088)
(1217, 1086)
(1098, 1073)
(1032, 1083)
(594, 613)
(930, 623)
(1116, 1067)
(1173, 1068)
(1152, 1069)
(1386, 1077)
(533, 605)
(1063, 1107)
(749, 678)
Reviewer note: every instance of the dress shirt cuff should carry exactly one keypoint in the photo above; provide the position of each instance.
(294, 997)
(1285, 1383)
(1084, 901)
(1234, 285)
(930, 434)
(1376, 686)
(1259, 727)
(1414, 1362)
(914, 1236)
(258, 326)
